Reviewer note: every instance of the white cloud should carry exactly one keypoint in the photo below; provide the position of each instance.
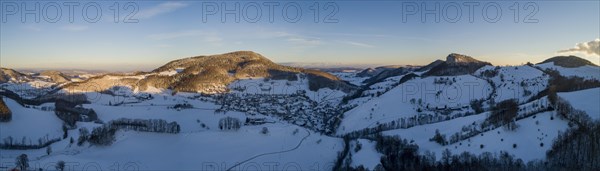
(160, 9)
(589, 48)
(74, 28)
(357, 44)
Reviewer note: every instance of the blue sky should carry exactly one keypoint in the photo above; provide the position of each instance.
(370, 32)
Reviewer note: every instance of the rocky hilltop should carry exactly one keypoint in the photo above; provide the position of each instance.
(455, 58)
(455, 64)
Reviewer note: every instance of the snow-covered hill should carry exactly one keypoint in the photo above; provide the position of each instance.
(586, 100)
(292, 118)
(514, 82)
(434, 96)
(587, 72)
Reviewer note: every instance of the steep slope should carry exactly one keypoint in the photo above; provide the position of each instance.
(210, 74)
(568, 61)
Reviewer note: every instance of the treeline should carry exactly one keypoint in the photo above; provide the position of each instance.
(579, 146)
(342, 156)
(71, 112)
(26, 144)
(401, 154)
(559, 83)
(567, 84)
(149, 125)
(5, 113)
(105, 134)
(575, 150)
(566, 111)
(406, 122)
(229, 123)
(503, 113)
(45, 98)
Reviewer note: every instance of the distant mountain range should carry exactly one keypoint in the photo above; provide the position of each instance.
(320, 66)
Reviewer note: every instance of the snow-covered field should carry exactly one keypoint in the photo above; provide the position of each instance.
(586, 72)
(30, 123)
(211, 150)
(366, 156)
(586, 100)
(29, 90)
(516, 82)
(406, 99)
(531, 132)
(285, 146)
(443, 104)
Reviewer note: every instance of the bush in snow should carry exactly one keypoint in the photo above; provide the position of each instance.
(439, 138)
(83, 136)
(357, 147)
(48, 150)
(264, 130)
(477, 105)
(60, 165)
(22, 162)
(104, 135)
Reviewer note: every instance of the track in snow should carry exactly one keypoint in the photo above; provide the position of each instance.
(277, 152)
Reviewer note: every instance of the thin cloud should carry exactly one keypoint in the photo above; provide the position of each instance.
(160, 9)
(304, 41)
(590, 48)
(74, 28)
(357, 35)
(357, 44)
